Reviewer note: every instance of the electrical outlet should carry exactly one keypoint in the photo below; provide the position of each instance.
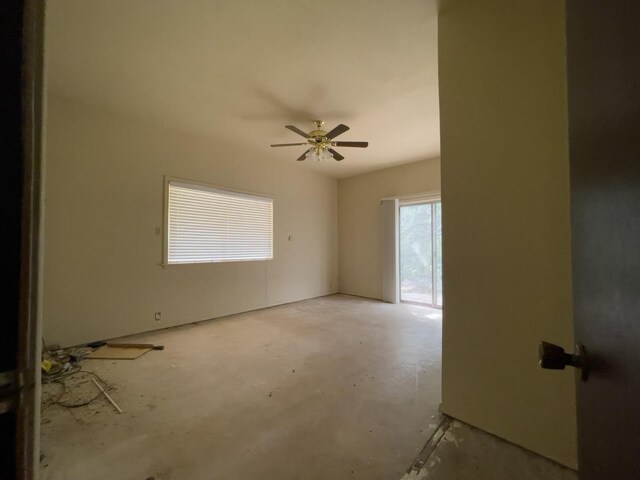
(158, 315)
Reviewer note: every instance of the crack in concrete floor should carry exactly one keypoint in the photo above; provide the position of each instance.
(467, 453)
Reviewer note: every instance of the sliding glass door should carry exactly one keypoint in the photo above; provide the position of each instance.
(437, 252)
(421, 253)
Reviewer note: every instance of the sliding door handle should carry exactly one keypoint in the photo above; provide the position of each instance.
(553, 357)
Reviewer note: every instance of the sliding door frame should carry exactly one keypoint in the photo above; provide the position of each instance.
(432, 201)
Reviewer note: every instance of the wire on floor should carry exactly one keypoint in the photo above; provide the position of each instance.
(60, 380)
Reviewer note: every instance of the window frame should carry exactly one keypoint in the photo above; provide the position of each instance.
(216, 188)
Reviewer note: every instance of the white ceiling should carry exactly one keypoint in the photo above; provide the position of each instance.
(243, 69)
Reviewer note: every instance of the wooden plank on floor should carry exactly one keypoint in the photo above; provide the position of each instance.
(111, 352)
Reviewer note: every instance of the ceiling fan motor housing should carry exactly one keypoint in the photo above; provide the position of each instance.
(317, 134)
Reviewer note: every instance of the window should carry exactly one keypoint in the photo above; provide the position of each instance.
(205, 224)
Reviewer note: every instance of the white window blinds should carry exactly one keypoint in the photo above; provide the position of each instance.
(211, 225)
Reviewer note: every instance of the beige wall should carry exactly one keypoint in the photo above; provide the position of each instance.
(360, 221)
(506, 225)
(104, 200)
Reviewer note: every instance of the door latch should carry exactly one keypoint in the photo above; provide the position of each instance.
(553, 357)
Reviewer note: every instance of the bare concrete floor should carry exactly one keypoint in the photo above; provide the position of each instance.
(332, 388)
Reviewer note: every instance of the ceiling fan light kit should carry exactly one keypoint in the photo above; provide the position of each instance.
(318, 155)
(319, 142)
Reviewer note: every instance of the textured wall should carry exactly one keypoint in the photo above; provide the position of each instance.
(360, 220)
(104, 201)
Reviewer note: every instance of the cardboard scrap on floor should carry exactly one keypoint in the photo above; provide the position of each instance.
(115, 351)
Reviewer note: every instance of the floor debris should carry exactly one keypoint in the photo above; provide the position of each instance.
(62, 367)
(107, 395)
(136, 345)
(123, 351)
(72, 393)
(110, 352)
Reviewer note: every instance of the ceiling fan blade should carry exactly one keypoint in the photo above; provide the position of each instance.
(303, 156)
(339, 130)
(297, 130)
(335, 154)
(288, 144)
(351, 144)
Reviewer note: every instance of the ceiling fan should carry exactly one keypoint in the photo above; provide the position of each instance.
(319, 142)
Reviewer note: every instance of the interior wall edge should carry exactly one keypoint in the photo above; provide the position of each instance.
(506, 220)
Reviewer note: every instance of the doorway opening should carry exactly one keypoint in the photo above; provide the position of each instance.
(420, 238)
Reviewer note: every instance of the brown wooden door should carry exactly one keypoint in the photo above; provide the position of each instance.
(603, 47)
(11, 14)
(21, 28)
